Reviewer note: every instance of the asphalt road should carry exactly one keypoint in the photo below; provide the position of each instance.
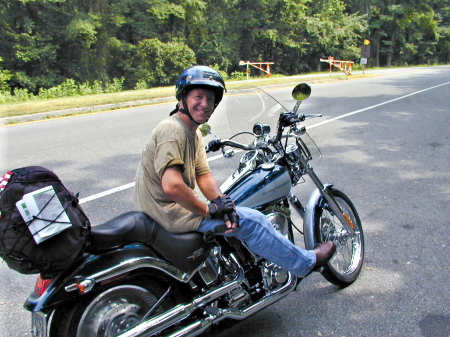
(385, 141)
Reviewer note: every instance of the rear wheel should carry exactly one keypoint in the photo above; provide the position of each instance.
(108, 313)
(345, 266)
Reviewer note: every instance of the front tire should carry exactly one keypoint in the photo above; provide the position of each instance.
(345, 266)
(108, 313)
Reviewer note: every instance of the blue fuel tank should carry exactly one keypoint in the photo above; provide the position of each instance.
(264, 185)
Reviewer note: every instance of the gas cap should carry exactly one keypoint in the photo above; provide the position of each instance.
(267, 166)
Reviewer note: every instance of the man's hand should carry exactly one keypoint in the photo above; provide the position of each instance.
(231, 220)
(221, 206)
(214, 145)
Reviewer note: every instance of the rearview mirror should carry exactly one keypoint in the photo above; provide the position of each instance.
(205, 129)
(301, 92)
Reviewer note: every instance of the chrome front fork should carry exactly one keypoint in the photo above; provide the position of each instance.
(331, 201)
(324, 191)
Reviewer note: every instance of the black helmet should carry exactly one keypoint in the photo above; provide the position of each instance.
(200, 77)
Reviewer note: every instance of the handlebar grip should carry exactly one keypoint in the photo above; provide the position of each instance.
(295, 118)
(313, 116)
(214, 145)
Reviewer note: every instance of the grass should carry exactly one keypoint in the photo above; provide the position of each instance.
(49, 105)
(140, 97)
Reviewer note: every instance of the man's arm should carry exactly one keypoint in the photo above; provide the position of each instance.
(175, 187)
(208, 186)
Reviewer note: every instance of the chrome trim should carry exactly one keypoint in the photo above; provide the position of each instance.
(133, 264)
(244, 169)
(182, 311)
(201, 326)
(308, 219)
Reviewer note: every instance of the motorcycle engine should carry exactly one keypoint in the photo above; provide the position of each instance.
(211, 268)
(293, 155)
(273, 275)
(278, 216)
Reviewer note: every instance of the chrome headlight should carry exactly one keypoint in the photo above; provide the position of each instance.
(293, 154)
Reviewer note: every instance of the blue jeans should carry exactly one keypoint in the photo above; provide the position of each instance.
(262, 239)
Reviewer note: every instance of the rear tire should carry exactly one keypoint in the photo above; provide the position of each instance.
(107, 313)
(345, 266)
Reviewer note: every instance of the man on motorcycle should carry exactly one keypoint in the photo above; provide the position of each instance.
(174, 161)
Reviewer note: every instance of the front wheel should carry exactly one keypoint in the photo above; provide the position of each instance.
(345, 266)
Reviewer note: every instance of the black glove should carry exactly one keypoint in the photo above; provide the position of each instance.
(220, 206)
(214, 145)
(233, 217)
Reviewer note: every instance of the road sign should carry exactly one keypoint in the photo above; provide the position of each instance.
(365, 51)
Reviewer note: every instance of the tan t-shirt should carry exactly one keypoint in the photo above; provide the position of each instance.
(171, 143)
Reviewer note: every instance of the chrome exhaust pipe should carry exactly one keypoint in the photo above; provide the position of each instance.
(159, 323)
(200, 327)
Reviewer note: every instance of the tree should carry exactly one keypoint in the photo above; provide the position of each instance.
(332, 32)
(443, 45)
(5, 76)
(30, 42)
(406, 31)
(159, 63)
(43, 43)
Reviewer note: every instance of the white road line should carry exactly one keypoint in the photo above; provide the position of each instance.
(124, 187)
(374, 106)
(130, 185)
(105, 193)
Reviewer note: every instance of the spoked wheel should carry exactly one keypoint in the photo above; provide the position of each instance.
(109, 313)
(346, 264)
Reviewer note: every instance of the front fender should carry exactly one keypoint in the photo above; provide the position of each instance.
(95, 269)
(309, 219)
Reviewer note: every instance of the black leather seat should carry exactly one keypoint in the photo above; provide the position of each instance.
(185, 251)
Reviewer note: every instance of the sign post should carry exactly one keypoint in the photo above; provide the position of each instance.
(365, 53)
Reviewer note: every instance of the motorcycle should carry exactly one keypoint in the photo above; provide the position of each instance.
(136, 279)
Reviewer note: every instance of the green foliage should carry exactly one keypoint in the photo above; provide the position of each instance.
(126, 44)
(83, 30)
(333, 32)
(159, 63)
(87, 88)
(141, 85)
(21, 95)
(68, 88)
(238, 76)
(408, 32)
(115, 86)
(5, 76)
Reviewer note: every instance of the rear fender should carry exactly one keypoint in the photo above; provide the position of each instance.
(98, 270)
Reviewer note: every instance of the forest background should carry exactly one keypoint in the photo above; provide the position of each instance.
(54, 48)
